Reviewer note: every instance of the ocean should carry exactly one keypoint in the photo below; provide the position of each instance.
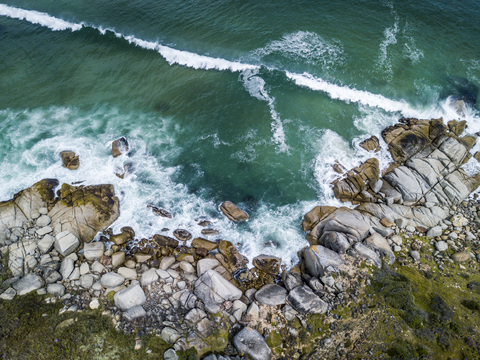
(247, 101)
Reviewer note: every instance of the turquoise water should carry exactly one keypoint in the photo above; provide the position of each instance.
(223, 100)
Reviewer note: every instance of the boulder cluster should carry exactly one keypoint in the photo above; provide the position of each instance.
(199, 293)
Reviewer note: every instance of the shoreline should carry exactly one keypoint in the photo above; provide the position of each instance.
(203, 296)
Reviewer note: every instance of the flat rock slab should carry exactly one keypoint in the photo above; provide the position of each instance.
(29, 283)
(250, 342)
(306, 301)
(271, 295)
(213, 289)
(232, 211)
(130, 297)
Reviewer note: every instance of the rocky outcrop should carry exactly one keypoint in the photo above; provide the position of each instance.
(70, 160)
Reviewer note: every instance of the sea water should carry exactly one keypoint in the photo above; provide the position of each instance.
(247, 101)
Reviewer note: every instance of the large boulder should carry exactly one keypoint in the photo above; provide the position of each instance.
(249, 341)
(213, 289)
(271, 295)
(28, 284)
(306, 301)
(70, 160)
(232, 211)
(234, 260)
(130, 297)
(318, 260)
(269, 264)
(66, 243)
(84, 210)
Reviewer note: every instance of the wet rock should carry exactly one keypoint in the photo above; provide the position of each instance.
(200, 243)
(162, 240)
(371, 144)
(248, 341)
(70, 160)
(209, 231)
(84, 210)
(130, 297)
(269, 264)
(318, 258)
(182, 235)
(314, 216)
(234, 260)
(213, 289)
(126, 234)
(119, 146)
(271, 295)
(305, 300)
(231, 211)
(160, 212)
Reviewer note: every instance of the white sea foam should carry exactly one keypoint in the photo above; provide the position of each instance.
(304, 46)
(255, 85)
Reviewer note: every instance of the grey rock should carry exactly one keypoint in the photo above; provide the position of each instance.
(415, 255)
(271, 295)
(318, 258)
(129, 274)
(66, 243)
(238, 308)
(170, 335)
(51, 276)
(66, 267)
(434, 231)
(46, 244)
(213, 289)
(131, 296)
(206, 264)
(249, 341)
(134, 313)
(148, 277)
(291, 280)
(305, 300)
(402, 223)
(441, 246)
(170, 354)
(8, 294)
(111, 280)
(57, 290)
(368, 254)
(194, 316)
(97, 267)
(93, 250)
(44, 230)
(86, 281)
(30, 282)
(166, 262)
(379, 243)
(43, 220)
(336, 241)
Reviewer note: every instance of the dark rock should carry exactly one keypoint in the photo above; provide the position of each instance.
(269, 264)
(119, 146)
(200, 243)
(127, 233)
(182, 235)
(234, 260)
(70, 160)
(160, 212)
(162, 240)
(318, 258)
(371, 144)
(209, 232)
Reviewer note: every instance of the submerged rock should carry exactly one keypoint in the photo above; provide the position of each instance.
(119, 146)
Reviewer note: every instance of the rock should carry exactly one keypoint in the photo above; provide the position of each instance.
(234, 260)
(187, 267)
(86, 281)
(200, 243)
(148, 277)
(94, 304)
(43, 220)
(357, 184)
(29, 283)
(461, 257)
(169, 335)
(253, 311)
(166, 262)
(51, 276)
(314, 216)
(112, 280)
(269, 264)
(318, 258)
(271, 295)
(459, 220)
(84, 210)
(70, 160)
(160, 212)
(66, 267)
(231, 211)
(46, 244)
(182, 235)
(415, 255)
(8, 294)
(57, 290)
(434, 231)
(127, 273)
(126, 234)
(238, 308)
(66, 243)
(93, 250)
(206, 264)
(336, 241)
(441, 246)
(130, 297)
(134, 313)
(306, 301)
(371, 144)
(213, 289)
(248, 341)
(97, 267)
(368, 254)
(210, 231)
(170, 354)
(142, 258)
(44, 230)
(166, 241)
(119, 146)
(118, 259)
(379, 243)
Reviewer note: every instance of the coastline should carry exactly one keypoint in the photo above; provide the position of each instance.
(203, 297)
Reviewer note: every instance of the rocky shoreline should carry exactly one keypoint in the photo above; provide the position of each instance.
(204, 297)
